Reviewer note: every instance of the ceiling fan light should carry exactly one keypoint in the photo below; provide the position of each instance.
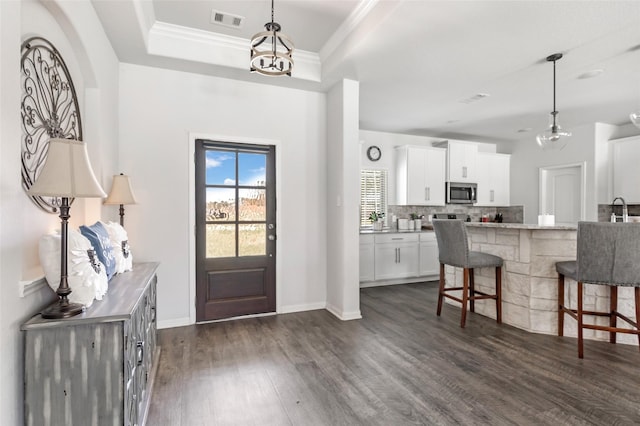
(635, 118)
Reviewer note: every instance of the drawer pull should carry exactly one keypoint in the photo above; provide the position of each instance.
(140, 352)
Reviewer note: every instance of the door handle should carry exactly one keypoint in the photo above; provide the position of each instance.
(464, 171)
(491, 193)
(427, 193)
(271, 237)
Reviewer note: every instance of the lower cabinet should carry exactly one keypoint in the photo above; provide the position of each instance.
(429, 263)
(367, 258)
(396, 256)
(95, 368)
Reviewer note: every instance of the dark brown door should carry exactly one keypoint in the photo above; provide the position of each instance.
(236, 230)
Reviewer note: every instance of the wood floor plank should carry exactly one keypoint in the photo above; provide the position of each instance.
(400, 364)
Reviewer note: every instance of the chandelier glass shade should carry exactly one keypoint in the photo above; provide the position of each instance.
(635, 118)
(271, 50)
(553, 138)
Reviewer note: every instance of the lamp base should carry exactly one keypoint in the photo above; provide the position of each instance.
(62, 310)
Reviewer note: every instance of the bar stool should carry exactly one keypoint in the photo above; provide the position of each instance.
(608, 254)
(453, 249)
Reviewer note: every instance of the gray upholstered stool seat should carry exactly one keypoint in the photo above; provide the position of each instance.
(568, 269)
(453, 249)
(608, 254)
(483, 260)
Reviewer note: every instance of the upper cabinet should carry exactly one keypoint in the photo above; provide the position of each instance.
(626, 173)
(462, 161)
(420, 176)
(493, 179)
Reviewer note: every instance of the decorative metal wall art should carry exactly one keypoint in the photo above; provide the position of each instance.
(49, 110)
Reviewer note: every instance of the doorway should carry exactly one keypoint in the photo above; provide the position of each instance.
(562, 192)
(235, 206)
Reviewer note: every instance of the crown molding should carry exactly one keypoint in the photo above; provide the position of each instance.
(179, 42)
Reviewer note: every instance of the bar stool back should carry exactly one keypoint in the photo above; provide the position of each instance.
(608, 254)
(453, 249)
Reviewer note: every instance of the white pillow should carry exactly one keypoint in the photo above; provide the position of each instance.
(86, 275)
(120, 244)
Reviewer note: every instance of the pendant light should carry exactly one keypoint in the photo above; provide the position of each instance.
(271, 50)
(635, 118)
(553, 138)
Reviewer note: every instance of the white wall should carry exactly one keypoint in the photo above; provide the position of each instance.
(387, 142)
(343, 193)
(76, 31)
(588, 144)
(159, 109)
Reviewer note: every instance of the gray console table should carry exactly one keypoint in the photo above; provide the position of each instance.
(96, 368)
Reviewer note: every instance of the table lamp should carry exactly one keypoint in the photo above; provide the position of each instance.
(121, 193)
(67, 174)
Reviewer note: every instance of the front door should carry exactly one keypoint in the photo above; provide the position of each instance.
(235, 229)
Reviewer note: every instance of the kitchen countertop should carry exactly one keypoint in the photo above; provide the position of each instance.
(429, 228)
(557, 226)
(532, 226)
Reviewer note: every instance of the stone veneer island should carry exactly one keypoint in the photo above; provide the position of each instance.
(530, 281)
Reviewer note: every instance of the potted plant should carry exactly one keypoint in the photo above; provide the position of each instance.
(377, 219)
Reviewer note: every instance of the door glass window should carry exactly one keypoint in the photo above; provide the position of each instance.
(236, 203)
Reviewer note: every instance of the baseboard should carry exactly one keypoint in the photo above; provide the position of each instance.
(344, 316)
(177, 322)
(301, 308)
(426, 278)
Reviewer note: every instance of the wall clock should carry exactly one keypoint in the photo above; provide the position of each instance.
(374, 153)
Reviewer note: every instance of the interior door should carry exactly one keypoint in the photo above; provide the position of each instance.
(562, 192)
(235, 229)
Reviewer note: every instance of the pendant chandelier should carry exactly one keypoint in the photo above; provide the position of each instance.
(553, 138)
(635, 118)
(271, 51)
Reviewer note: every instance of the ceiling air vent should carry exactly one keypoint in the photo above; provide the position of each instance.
(475, 98)
(226, 19)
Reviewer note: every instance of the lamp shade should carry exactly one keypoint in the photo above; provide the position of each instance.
(121, 192)
(67, 172)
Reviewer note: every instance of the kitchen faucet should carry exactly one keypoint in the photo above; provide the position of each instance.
(625, 212)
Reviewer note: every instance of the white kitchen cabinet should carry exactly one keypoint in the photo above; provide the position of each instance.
(462, 158)
(367, 259)
(420, 173)
(626, 173)
(429, 263)
(493, 179)
(396, 256)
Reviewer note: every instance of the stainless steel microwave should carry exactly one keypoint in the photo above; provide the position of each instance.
(461, 193)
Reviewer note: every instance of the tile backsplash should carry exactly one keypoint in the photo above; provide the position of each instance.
(512, 214)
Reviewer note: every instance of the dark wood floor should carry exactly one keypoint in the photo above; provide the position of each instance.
(400, 364)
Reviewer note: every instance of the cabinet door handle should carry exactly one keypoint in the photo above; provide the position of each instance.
(427, 193)
(399, 261)
(397, 255)
(491, 195)
(139, 352)
(464, 171)
(397, 239)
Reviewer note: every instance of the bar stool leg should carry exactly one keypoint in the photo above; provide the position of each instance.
(637, 294)
(560, 305)
(441, 289)
(613, 307)
(579, 314)
(465, 296)
(472, 291)
(499, 294)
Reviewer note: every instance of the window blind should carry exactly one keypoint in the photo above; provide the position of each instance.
(373, 194)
